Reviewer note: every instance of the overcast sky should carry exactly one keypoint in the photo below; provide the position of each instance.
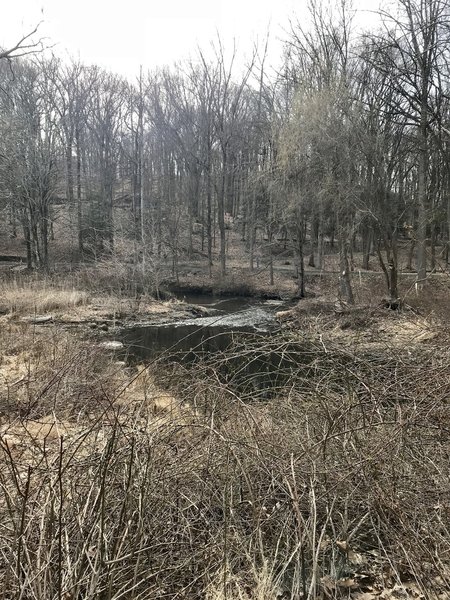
(122, 35)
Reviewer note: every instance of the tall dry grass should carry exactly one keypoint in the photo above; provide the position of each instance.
(38, 297)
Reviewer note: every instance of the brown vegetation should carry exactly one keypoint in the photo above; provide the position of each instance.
(335, 484)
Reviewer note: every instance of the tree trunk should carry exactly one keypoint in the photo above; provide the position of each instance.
(391, 270)
(13, 218)
(412, 247)
(298, 232)
(320, 241)
(433, 247)
(221, 218)
(79, 204)
(345, 287)
(422, 190)
(393, 274)
(44, 236)
(27, 236)
(366, 246)
(270, 240)
(209, 217)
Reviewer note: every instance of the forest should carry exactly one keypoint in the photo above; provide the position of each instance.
(345, 143)
(305, 457)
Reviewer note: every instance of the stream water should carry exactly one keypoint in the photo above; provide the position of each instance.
(227, 318)
(236, 342)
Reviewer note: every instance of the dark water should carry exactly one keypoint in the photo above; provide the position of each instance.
(235, 343)
(231, 318)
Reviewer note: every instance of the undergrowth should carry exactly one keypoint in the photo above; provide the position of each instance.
(333, 485)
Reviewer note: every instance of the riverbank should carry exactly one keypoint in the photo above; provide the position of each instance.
(45, 301)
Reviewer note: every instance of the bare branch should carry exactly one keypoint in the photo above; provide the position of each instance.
(24, 47)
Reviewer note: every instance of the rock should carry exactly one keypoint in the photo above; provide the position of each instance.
(120, 364)
(112, 345)
(199, 311)
(284, 315)
(103, 327)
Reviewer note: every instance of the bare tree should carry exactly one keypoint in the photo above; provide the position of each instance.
(412, 51)
(25, 46)
(320, 66)
(105, 124)
(29, 157)
(228, 106)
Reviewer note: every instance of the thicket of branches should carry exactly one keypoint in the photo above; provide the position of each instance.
(348, 140)
(336, 484)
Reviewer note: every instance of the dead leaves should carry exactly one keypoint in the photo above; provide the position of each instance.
(367, 576)
(358, 588)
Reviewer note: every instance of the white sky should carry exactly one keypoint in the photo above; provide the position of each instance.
(121, 35)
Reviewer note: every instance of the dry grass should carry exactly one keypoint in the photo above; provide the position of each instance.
(38, 298)
(258, 585)
(81, 297)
